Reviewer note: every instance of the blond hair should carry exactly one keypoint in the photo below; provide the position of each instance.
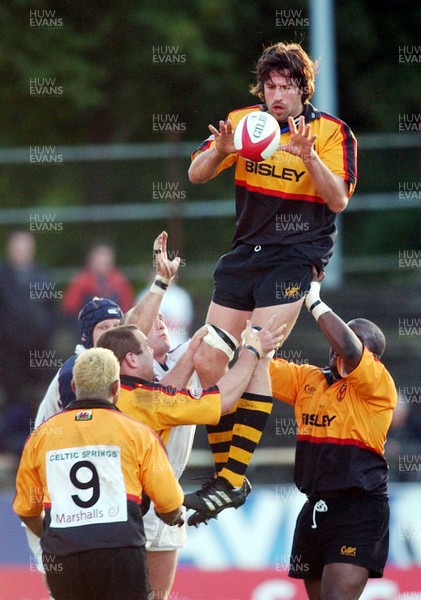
(94, 373)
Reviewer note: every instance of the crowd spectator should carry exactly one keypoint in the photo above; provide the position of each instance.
(100, 277)
(27, 324)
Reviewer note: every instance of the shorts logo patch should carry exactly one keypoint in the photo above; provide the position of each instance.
(292, 291)
(83, 415)
(341, 392)
(196, 393)
(348, 551)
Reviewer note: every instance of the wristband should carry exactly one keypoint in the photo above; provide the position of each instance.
(271, 353)
(255, 352)
(160, 285)
(314, 305)
(318, 309)
(313, 295)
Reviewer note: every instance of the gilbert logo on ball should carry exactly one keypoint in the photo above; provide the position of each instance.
(256, 136)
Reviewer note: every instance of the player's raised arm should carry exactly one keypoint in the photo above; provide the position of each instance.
(146, 311)
(342, 339)
(205, 164)
(329, 186)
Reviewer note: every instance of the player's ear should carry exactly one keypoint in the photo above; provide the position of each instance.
(115, 390)
(72, 385)
(129, 359)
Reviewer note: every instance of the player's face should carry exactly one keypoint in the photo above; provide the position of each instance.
(282, 96)
(333, 363)
(159, 337)
(144, 359)
(103, 326)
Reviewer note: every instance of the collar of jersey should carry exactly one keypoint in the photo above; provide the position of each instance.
(132, 382)
(91, 403)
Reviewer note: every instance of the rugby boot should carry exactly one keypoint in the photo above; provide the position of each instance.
(215, 495)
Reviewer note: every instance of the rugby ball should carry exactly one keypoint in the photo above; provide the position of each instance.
(256, 136)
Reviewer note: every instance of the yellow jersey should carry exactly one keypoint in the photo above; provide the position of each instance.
(341, 427)
(87, 467)
(276, 200)
(163, 407)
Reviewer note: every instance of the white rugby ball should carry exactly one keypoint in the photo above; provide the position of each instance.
(256, 136)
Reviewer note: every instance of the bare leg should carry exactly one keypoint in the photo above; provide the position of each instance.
(162, 567)
(234, 439)
(343, 581)
(313, 588)
(211, 363)
(287, 313)
(254, 408)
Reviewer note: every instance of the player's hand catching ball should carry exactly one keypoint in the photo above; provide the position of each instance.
(224, 138)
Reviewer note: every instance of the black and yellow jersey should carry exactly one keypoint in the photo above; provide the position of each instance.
(341, 428)
(163, 407)
(87, 467)
(276, 201)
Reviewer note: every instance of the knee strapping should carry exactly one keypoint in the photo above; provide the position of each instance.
(221, 339)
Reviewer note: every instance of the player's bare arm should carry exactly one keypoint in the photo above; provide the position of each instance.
(260, 382)
(34, 524)
(146, 311)
(183, 370)
(171, 518)
(205, 164)
(342, 339)
(330, 186)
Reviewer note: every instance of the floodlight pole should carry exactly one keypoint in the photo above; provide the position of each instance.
(322, 45)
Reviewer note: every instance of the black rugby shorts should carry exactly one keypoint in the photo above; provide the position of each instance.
(102, 574)
(251, 277)
(354, 529)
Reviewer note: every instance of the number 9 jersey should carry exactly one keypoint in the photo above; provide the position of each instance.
(87, 467)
